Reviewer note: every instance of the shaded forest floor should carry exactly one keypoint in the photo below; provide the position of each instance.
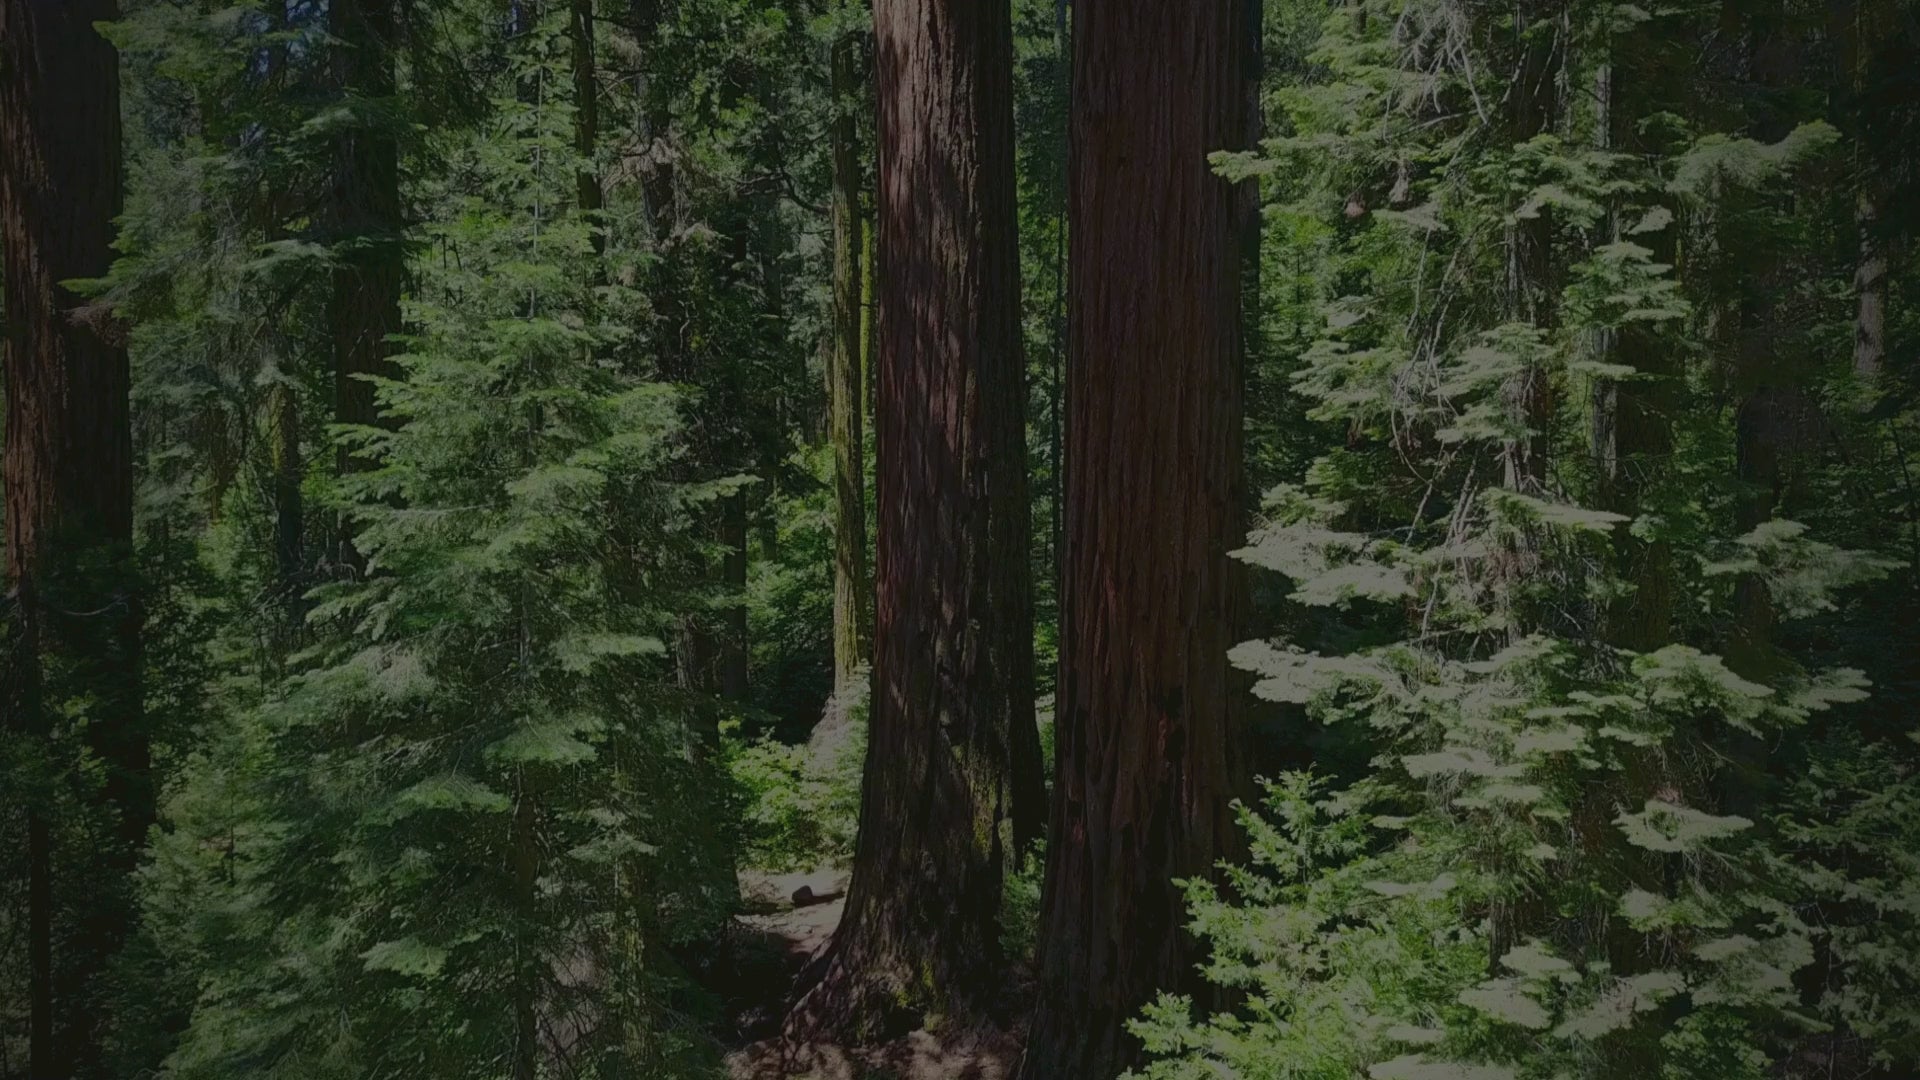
(789, 918)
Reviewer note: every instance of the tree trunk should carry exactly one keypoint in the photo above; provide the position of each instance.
(951, 765)
(1860, 26)
(1532, 288)
(697, 650)
(364, 226)
(733, 572)
(1771, 400)
(289, 516)
(1632, 434)
(1870, 288)
(1148, 741)
(852, 591)
(586, 127)
(68, 467)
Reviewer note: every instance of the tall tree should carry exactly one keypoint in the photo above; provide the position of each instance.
(363, 218)
(846, 401)
(1148, 752)
(69, 501)
(952, 768)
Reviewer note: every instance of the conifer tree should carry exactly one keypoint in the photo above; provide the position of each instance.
(952, 779)
(1545, 871)
(79, 760)
(846, 396)
(515, 814)
(1150, 755)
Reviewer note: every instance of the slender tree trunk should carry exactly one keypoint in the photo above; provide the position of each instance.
(528, 963)
(852, 590)
(364, 225)
(1532, 288)
(289, 515)
(68, 466)
(945, 787)
(697, 649)
(1633, 419)
(1870, 288)
(1771, 402)
(289, 462)
(1859, 27)
(1150, 752)
(586, 126)
(733, 573)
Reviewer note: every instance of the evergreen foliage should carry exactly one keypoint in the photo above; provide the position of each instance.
(1549, 866)
(1581, 387)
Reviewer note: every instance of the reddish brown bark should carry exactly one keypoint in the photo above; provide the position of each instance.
(953, 759)
(69, 493)
(1148, 743)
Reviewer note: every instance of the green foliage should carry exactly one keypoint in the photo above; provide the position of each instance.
(1566, 646)
(475, 812)
(800, 804)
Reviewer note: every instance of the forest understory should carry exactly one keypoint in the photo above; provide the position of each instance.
(960, 540)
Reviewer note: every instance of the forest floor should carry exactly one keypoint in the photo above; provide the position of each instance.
(791, 917)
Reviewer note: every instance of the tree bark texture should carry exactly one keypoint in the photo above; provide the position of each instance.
(852, 589)
(1150, 751)
(952, 767)
(68, 464)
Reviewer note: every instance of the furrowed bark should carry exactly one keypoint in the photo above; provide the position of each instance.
(951, 768)
(1150, 751)
(74, 603)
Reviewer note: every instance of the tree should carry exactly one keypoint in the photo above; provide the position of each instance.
(74, 607)
(363, 220)
(846, 399)
(952, 780)
(1148, 751)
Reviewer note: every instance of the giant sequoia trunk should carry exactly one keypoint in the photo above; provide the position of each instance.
(1149, 751)
(952, 770)
(852, 620)
(363, 223)
(73, 607)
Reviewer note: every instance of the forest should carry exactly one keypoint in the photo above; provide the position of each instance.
(960, 540)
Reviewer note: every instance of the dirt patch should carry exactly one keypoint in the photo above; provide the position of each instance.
(921, 1055)
(773, 940)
